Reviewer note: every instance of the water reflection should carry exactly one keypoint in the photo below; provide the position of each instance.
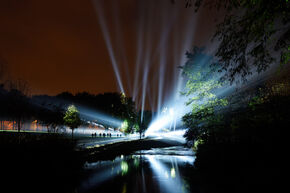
(124, 167)
(140, 172)
(169, 179)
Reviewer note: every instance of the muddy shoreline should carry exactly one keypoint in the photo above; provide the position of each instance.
(111, 151)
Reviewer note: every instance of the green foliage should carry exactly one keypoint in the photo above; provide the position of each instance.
(126, 111)
(196, 144)
(248, 133)
(136, 127)
(72, 117)
(200, 88)
(286, 56)
(249, 34)
(265, 94)
(117, 105)
(125, 126)
(256, 101)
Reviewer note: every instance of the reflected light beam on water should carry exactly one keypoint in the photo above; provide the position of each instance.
(168, 178)
(106, 170)
(186, 159)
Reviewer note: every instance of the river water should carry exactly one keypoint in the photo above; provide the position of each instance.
(161, 170)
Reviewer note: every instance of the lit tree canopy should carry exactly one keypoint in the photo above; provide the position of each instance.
(72, 118)
(143, 124)
(201, 88)
(202, 81)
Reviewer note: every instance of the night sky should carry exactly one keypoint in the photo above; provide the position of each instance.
(59, 45)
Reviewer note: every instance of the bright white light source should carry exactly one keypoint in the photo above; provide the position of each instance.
(164, 110)
(172, 173)
(171, 111)
(170, 118)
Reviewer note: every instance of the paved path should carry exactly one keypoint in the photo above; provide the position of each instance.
(101, 141)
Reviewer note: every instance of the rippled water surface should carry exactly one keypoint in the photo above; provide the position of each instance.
(165, 170)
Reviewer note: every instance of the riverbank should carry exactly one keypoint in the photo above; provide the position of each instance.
(51, 163)
(46, 162)
(158, 170)
(110, 151)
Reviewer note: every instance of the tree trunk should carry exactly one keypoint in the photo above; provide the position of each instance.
(19, 125)
(72, 134)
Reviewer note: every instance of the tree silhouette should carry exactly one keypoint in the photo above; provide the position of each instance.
(3, 69)
(250, 35)
(142, 125)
